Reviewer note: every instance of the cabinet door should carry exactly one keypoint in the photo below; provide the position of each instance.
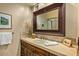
(22, 50)
(40, 52)
(50, 54)
(28, 52)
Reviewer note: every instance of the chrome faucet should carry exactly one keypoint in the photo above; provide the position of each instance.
(42, 37)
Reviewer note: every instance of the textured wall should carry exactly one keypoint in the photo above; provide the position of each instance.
(71, 20)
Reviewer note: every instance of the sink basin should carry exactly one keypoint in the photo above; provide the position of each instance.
(46, 42)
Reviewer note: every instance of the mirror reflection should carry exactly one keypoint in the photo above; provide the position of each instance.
(48, 21)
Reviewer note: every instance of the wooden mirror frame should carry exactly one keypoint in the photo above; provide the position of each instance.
(61, 19)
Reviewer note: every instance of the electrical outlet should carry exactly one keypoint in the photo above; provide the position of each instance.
(67, 42)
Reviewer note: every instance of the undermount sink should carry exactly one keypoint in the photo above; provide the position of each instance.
(46, 42)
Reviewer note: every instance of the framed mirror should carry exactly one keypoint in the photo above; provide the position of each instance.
(50, 20)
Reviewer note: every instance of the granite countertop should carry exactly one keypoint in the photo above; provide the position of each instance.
(60, 49)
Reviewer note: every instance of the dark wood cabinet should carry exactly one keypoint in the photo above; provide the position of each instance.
(30, 50)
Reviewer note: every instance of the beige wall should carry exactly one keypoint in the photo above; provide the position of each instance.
(21, 13)
(71, 20)
(78, 19)
(77, 10)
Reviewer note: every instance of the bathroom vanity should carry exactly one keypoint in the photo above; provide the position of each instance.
(30, 48)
